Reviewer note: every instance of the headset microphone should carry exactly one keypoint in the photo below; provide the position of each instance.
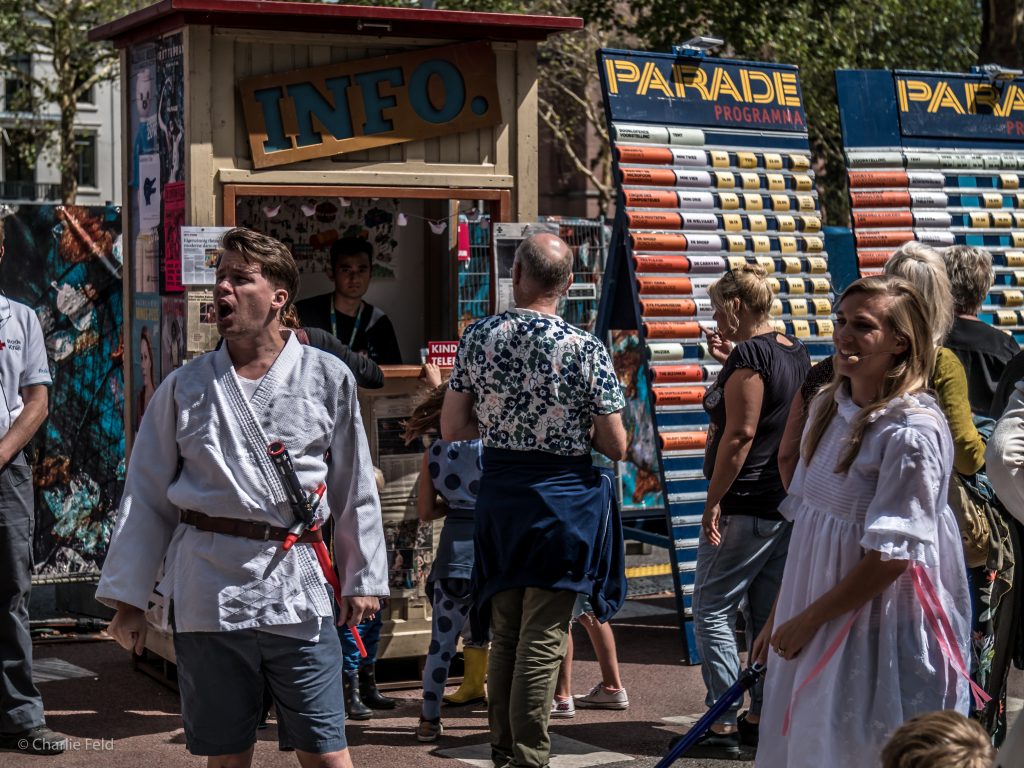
(853, 358)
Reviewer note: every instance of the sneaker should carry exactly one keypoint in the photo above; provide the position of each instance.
(35, 741)
(565, 708)
(601, 697)
(748, 731)
(715, 746)
(429, 730)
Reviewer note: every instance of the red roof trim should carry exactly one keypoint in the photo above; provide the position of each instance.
(338, 19)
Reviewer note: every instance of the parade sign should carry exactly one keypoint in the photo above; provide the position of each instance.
(713, 92)
(355, 105)
(965, 106)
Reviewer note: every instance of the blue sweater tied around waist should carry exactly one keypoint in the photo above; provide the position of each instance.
(551, 522)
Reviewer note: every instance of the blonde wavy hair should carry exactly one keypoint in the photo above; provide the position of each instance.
(749, 284)
(923, 267)
(907, 317)
(943, 739)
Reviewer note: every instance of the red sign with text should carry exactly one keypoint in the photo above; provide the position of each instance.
(442, 353)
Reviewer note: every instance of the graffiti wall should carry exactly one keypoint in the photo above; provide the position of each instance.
(65, 263)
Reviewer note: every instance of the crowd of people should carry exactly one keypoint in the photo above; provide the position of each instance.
(861, 517)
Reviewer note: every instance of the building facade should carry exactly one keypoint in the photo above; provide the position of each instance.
(34, 177)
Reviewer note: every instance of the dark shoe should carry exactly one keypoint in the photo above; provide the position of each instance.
(355, 709)
(429, 730)
(35, 741)
(747, 730)
(368, 690)
(714, 746)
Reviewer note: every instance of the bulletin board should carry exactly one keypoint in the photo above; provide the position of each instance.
(938, 157)
(714, 170)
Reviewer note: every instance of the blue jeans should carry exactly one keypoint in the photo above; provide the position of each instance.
(748, 563)
(369, 631)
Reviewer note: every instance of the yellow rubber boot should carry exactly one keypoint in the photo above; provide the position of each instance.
(472, 689)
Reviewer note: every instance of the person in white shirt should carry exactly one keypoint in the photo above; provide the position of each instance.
(24, 378)
(203, 497)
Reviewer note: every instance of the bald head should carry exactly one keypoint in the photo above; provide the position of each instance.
(545, 262)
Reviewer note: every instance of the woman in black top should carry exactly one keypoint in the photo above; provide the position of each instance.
(743, 539)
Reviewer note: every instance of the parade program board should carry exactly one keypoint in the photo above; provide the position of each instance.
(938, 158)
(714, 171)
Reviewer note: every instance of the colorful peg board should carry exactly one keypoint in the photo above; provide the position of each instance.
(714, 171)
(938, 158)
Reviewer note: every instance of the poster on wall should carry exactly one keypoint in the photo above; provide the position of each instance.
(172, 334)
(170, 107)
(201, 322)
(144, 169)
(309, 226)
(145, 352)
(63, 261)
(174, 217)
(200, 252)
(148, 192)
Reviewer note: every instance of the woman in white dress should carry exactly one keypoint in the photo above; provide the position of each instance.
(871, 624)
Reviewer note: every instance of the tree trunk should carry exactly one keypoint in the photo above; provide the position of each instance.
(68, 154)
(1001, 27)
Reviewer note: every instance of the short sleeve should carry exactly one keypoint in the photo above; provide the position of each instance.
(752, 354)
(1004, 460)
(461, 380)
(605, 390)
(37, 369)
(901, 521)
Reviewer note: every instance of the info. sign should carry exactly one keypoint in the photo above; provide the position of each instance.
(355, 105)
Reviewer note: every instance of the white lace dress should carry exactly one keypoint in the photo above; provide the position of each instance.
(889, 667)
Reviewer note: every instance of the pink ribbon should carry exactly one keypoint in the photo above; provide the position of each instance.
(822, 662)
(937, 619)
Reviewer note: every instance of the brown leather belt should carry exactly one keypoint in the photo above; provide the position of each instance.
(235, 527)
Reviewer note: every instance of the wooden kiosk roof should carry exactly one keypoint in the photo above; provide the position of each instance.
(331, 18)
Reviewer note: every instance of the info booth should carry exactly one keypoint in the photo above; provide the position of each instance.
(311, 123)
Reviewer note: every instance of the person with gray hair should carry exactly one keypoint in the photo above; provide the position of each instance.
(540, 394)
(983, 350)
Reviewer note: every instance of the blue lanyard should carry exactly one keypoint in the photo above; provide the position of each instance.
(355, 325)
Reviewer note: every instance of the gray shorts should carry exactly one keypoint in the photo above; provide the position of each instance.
(220, 675)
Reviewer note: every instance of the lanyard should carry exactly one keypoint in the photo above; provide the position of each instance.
(355, 325)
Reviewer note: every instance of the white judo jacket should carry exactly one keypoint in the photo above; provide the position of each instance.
(202, 446)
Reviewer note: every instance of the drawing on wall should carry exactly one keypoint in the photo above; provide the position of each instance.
(641, 471)
(65, 262)
(309, 226)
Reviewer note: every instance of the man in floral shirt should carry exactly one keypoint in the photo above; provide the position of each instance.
(541, 394)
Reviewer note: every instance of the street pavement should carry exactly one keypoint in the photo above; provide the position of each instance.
(116, 716)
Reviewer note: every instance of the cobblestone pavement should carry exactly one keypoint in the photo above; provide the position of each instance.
(117, 716)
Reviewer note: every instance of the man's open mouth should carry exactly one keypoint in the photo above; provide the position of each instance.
(224, 310)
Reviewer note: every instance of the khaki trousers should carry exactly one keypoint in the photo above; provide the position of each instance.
(529, 638)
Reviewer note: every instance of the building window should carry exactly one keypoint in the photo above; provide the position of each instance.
(16, 86)
(89, 97)
(85, 150)
(19, 158)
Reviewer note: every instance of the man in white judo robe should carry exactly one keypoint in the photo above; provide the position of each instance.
(202, 497)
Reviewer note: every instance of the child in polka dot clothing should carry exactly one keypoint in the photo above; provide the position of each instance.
(451, 471)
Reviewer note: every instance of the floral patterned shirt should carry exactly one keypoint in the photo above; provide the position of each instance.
(537, 381)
